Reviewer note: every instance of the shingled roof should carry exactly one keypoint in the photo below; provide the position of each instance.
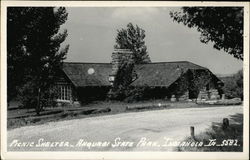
(152, 74)
(88, 74)
(162, 74)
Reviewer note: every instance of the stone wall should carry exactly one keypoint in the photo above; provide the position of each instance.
(214, 94)
(203, 94)
(208, 94)
(117, 56)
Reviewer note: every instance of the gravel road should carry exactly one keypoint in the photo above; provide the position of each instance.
(137, 131)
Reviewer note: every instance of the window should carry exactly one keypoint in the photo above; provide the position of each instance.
(65, 92)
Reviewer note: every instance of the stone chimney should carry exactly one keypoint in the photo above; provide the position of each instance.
(118, 56)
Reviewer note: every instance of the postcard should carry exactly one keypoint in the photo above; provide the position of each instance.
(124, 80)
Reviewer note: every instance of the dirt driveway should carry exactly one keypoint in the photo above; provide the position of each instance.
(138, 131)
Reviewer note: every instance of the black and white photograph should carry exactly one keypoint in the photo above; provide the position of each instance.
(142, 80)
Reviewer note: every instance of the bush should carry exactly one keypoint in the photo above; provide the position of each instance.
(128, 94)
(28, 95)
(233, 86)
(48, 98)
(135, 94)
(117, 94)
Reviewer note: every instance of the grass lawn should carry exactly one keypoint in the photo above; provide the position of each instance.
(229, 139)
(23, 117)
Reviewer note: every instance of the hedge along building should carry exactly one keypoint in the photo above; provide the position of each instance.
(92, 81)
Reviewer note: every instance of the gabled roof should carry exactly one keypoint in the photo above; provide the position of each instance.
(151, 74)
(163, 73)
(88, 74)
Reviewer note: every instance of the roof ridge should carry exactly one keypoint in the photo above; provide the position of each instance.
(137, 64)
(86, 63)
(165, 62)
(197, 65)
(175, 62)
(152, 63)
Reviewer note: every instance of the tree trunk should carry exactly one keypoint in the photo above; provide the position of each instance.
(38, 109)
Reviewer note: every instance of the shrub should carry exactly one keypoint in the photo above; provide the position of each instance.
(135, 94)
(28, 95)
(233, 86)
(48, 97)
(29, 100)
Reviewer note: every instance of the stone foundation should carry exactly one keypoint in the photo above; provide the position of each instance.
(212, 94)
(173, 99)
(203, 95)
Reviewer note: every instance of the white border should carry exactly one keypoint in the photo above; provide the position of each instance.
(121, 155)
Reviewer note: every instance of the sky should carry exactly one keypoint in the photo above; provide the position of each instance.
(92, 32)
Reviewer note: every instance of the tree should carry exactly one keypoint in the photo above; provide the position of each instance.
(16, 24)
(36, 50)
(233, 85)
(221, 25)
(133, 38)
(123, 78)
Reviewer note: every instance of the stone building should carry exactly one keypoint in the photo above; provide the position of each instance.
(182, 80)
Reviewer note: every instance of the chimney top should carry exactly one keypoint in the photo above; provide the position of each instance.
(122, 51)
(118, 56)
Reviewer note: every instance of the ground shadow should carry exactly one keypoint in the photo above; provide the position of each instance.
(228, 139)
